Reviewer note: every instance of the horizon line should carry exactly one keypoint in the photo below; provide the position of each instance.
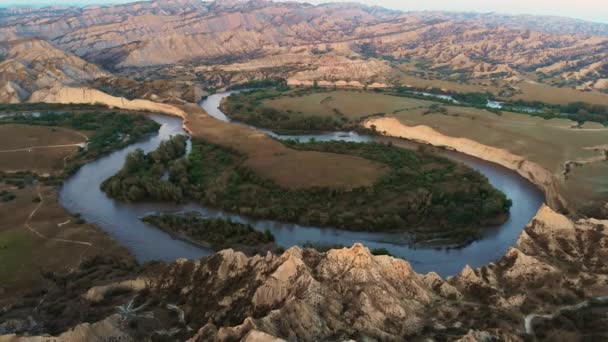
(121, 2)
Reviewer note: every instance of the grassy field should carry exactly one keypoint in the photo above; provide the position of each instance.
(549, 143)
(352, 104)
(40, 160)
(546, 93)
(528, 90)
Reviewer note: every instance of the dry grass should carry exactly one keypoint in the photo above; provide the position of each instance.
(25, 255)
(353, 104)
(546, 93)
(287, 167)
(44, 160)
(549, 143)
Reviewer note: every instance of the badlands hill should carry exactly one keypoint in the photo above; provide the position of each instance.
(27, 65)
(223, 42)
(339, 295)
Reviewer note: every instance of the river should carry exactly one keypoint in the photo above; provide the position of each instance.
(81, 194)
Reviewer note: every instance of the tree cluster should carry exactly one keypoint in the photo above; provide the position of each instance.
(219, 233)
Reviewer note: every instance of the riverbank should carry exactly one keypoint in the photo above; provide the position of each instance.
(533, 172)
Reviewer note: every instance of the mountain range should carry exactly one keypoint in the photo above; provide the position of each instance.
(219, 43)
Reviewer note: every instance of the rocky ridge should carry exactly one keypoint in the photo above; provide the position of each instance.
(351, 294)
(31, 64)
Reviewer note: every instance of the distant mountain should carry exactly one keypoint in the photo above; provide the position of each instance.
(222, 42)
(27, 65)
(547, 24)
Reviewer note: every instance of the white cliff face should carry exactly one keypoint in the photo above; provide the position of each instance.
(67, 95)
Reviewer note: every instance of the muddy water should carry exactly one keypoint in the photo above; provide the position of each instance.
(81, 194)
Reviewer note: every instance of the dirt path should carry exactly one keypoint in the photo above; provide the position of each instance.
(35, 231)
(42, 147)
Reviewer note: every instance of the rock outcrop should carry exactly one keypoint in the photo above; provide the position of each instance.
(349, 293)
(33, 64)
(68, 95)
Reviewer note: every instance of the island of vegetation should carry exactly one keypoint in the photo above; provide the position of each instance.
(141, 176)
(213, 233)
(424, 194)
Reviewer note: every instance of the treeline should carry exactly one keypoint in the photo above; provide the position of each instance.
(218, 233)
(141, 176)
(111, 130)
(580, 112)
(423, 193)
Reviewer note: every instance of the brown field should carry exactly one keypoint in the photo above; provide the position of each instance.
(26, 253)
(287, 167)
(546, 93)
(353, 104)
(26, 139)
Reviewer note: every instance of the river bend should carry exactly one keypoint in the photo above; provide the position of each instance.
(81, 194)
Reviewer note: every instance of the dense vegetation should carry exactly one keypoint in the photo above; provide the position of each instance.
(111, 130)
(423, 193)
(141, 176)
(218, 233)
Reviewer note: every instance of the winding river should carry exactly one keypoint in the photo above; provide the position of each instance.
(81, 194)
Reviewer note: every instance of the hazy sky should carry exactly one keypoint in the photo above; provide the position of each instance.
(595, 10)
